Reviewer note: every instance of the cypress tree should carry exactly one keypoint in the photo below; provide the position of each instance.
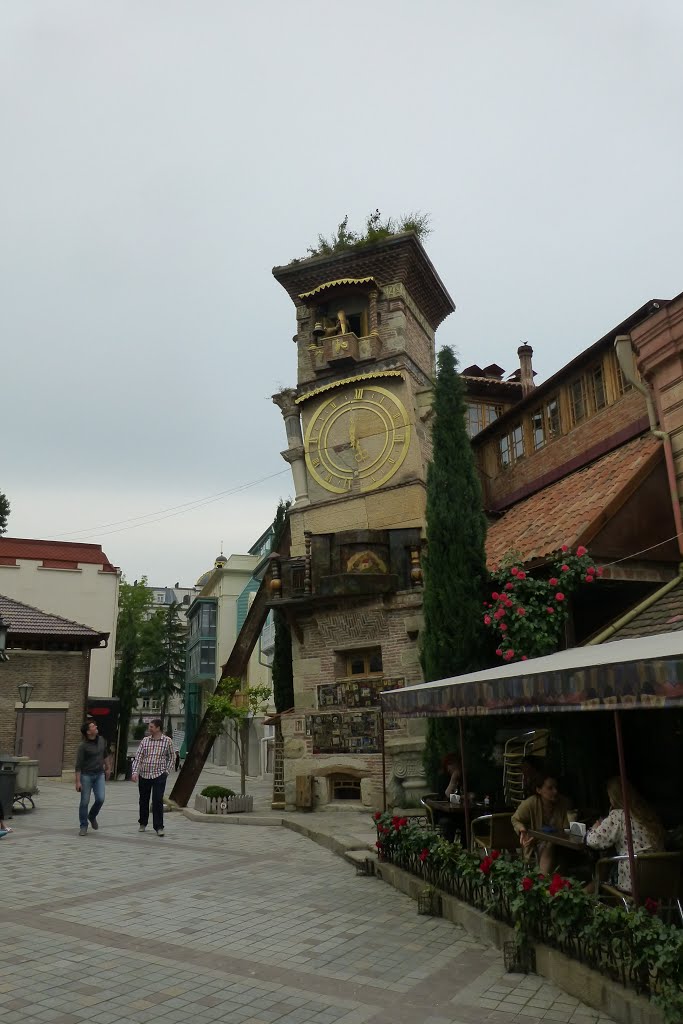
(454, 640)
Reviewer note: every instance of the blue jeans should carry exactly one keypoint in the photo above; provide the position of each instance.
(90, 784)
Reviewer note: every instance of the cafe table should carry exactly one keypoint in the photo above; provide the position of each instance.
(560, 837)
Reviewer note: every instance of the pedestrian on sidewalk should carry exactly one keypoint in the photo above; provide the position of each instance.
(4, 829)
(152, 763)
(93, 766)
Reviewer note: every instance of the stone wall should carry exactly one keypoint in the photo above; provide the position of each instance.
(57, 676)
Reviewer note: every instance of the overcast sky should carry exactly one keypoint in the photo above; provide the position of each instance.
(159, 157)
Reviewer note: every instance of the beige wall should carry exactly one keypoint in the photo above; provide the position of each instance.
(84, 595)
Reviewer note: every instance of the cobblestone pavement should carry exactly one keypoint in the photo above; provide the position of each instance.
(247, 925)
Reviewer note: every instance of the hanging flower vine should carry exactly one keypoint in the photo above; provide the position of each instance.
(527, 613)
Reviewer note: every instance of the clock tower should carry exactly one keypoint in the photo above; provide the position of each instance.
(358, 436)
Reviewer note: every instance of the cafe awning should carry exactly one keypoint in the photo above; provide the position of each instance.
(643, 672)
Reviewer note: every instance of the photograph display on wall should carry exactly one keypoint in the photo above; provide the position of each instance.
(355, 693)
(355, 732)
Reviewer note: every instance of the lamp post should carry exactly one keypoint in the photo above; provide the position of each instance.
(25, 691)
(4, 629)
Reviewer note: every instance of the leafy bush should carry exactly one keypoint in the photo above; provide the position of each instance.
(633, 947)
(376, 229)
(139, 730)
(216, 792)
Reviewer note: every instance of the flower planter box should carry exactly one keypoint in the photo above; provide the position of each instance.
(224, 804)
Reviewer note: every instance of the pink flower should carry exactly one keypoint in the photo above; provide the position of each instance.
(564, 549)
(581, 551)
(525, 657)
(527, 884)
(564, 568)
(514, 570)
(550, 611)
(589, 579)
(509, 586)
(499, 653)
(487, 620)
(495, 595)
(499, 613)
(495, 854)
(553, 581)
(502, 627)
(521, 575)
(559, 596)
(521, 611)
(424, 855)
(509, 655)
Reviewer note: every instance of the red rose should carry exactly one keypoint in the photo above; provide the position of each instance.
(377, 815)
(652, 906)
(514, 570)
(509, 655)
(564, 568)
(499, 653)
(502, 627)
(495, 854)
(525, 657)
(527, 884)
(588, 579)
(553, 582)
(581, 551)
(521, 611)
(559, 596)
(509, 586)
(424, 855)
(378, 845)
(550, 611)
(521, 575)
(403, 822)
(485, 866)
(564, 549)
(495, 595)
(487, 620)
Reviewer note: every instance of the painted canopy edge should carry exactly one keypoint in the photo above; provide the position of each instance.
(652, 683)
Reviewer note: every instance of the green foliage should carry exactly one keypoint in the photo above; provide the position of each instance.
(4, 512)
(527, 611)
(376, 229)
(454, 639)
(132, 652)
(139, 730)
(232, 705)
(165, 638)
(216, 792)
(635, 946)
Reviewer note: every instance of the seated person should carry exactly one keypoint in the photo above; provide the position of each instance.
(546, 808)
(453, 770)
(646, 829)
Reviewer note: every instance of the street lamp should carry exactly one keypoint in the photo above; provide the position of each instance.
(25, 691)
(4, 629)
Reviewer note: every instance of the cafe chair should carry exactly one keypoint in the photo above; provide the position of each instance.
(658, 876)
(494, 832)
(429, 810)
(534, 743)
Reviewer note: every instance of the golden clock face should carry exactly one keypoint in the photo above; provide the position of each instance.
(361, 434)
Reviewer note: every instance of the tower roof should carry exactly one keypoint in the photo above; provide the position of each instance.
(398, 259)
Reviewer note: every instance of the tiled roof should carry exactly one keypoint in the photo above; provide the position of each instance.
(57, 553)
(564, 512)
(664, 616)
(22, 619)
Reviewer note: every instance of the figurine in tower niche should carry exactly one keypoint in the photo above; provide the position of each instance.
(340, 326)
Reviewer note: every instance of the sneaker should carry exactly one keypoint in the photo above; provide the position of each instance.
(93, 823)
(3, 832)
(142, 828)
(83, 831)
(160, 833)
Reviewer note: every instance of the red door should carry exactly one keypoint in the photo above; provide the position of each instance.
(43, 733)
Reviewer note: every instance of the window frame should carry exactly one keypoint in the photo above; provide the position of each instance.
(367, 654)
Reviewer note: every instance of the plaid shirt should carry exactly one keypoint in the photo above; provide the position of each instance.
(155, 757)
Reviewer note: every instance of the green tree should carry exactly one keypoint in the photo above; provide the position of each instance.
(282, 671)
(165, 638)
(4, 512)
(132, 650)
(454, 639)
(232, 708)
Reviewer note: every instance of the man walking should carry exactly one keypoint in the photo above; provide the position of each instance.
(152, 763)
(92, 768)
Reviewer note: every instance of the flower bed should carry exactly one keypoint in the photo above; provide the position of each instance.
(635, 948)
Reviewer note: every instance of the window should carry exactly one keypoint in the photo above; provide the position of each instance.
(577, 400)
(479, 414)
(150, 704)
(208, 620)
(511, 446)
(344, 787)
(599, 394)
(160, 597)
(364, 663)
(623, 385)
(545, 423)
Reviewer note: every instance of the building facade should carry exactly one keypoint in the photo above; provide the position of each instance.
(69, 579)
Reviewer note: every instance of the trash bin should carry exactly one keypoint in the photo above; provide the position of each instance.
(8, 777)
(27, 775)
(129, 768)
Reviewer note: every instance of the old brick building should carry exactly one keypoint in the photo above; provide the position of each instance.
(54, 655)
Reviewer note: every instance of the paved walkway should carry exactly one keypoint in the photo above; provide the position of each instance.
(246, 925)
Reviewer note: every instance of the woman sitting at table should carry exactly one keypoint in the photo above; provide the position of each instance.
(546, 809)
(453, 770)
(646, 829)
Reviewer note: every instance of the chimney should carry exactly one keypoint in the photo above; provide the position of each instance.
(526, 374)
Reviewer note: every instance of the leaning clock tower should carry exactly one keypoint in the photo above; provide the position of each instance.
(358, 442)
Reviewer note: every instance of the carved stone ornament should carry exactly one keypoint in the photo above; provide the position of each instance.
(285, 401)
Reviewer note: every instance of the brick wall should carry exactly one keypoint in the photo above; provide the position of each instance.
(56, 676)
(607, 428)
